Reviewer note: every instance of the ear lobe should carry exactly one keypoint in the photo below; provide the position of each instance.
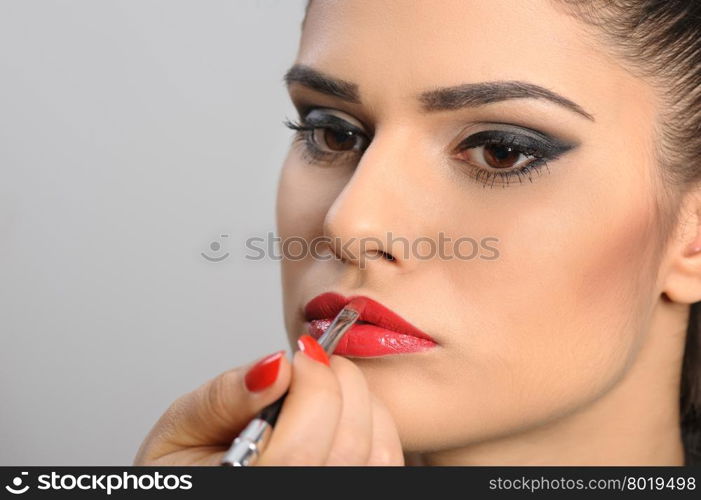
(683, 282)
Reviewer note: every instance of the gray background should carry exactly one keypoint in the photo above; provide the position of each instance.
(132, 135)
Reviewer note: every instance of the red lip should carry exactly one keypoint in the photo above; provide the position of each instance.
(379, 331)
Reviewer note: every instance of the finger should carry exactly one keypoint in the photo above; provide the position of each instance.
(386, 448)
(307, 423)
(205, 455)
(214, 413)
(351, 445)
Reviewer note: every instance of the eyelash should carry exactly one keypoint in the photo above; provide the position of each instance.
(541, 150)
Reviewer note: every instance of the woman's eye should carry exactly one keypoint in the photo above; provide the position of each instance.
(328, 138)
(334, 140)
(496, 156)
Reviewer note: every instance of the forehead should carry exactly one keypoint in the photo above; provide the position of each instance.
(410, 46)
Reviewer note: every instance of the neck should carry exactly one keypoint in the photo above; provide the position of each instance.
(635, 423)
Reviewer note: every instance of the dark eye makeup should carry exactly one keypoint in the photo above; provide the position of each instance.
(500, 156)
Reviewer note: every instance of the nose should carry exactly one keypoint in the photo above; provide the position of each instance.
(373, 221)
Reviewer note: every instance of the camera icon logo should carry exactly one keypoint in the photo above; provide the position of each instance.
(17, 483)
(216, 247)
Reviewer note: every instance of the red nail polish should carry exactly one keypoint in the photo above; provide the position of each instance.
(311, 348)
(262, 375)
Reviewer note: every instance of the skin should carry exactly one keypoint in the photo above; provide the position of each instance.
(567, 348)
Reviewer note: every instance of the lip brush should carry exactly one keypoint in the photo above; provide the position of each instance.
(251, 442)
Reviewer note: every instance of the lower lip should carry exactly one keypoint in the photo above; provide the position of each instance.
(364, 340)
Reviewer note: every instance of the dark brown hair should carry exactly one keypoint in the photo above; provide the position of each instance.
(660, 41)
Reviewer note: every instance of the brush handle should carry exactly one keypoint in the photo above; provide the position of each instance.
(251, 442)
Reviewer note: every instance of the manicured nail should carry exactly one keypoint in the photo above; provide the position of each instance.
(262, 375)
(311, 348)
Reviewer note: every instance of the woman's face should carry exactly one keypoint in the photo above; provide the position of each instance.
(548, 313)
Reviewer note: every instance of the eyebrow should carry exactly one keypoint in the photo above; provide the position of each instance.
(440, 99)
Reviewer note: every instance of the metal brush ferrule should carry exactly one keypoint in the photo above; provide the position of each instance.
(333, 334)
(249, 444)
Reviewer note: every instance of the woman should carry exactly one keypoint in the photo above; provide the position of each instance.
(562, 140)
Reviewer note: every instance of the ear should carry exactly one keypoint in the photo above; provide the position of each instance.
(683, 281)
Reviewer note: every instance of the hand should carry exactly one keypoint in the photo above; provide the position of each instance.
(329, 416)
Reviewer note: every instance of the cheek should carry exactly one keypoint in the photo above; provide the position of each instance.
(305, 193)
(553, 322)
(300, 202)
(296, 216)
(586, 293)
(557, 317)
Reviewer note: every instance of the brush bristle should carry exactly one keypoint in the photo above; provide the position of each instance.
(357, 304)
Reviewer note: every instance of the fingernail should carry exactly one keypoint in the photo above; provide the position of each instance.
(311, 348)
(262, 375)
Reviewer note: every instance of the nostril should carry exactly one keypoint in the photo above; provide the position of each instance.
(385, 255)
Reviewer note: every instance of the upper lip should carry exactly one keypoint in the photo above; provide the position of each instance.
(328, 305)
